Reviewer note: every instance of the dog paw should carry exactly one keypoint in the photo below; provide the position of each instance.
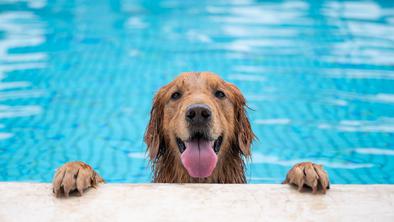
(74, 176)
(308, 174)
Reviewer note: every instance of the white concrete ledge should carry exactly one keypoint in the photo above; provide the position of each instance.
(197, 202)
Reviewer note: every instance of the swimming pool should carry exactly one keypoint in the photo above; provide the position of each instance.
(78, 77)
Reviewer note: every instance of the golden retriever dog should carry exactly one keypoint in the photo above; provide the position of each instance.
(198, 133)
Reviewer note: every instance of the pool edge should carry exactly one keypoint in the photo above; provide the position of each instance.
(25, 201)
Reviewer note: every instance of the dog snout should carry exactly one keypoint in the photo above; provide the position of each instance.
(198, 114)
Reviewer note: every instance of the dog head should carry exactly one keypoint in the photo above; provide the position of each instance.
(198, 118)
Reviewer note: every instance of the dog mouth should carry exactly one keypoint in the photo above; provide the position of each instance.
(199, 154)
(217, 143)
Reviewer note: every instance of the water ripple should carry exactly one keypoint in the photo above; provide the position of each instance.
(380, 125)
(77, 81)
(375, 151)
(261, 158)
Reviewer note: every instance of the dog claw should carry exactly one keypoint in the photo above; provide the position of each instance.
(310, 175)
(74, 176)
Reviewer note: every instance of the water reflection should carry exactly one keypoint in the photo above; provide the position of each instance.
(21, 30)
(371, 39)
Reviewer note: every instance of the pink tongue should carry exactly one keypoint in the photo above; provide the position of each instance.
(199, 158)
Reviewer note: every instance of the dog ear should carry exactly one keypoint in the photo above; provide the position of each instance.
(153, 134)
(243, 131)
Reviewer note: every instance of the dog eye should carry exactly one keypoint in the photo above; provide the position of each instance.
(176, 95)
(220, 94)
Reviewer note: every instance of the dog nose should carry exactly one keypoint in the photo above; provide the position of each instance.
(198, 114)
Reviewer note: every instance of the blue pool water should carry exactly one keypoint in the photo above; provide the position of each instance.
(77, 79)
